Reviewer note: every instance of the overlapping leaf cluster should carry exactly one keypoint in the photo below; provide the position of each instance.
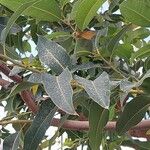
(77, 59)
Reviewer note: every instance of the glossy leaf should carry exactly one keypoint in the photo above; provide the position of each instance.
(136, 11)
(11, 142)
(98, 90)
(59, 90)
(85, 10)
(42, 10)
(131, 117)
(98, 118)
(40, 124)
(52, 55)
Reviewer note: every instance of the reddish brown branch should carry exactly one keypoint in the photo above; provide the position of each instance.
(5, 70)
(25, 95)
(137, 131)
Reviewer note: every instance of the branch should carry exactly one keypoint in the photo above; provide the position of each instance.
(137, 131)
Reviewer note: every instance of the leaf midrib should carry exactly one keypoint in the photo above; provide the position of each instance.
(53, 110)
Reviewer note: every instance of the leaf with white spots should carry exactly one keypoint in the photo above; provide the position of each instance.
(52, 54)
(98, 90)
(59, 90)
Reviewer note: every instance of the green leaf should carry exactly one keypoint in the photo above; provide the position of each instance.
(141, 53)
(52, 55)
(98, 118)
(46, 10)
(114, 41)
(124, 51)
(11, 142)
(85, 10)
(98, 90)
(136, 11)
(131, 117)
(13, 18)
(40, 124)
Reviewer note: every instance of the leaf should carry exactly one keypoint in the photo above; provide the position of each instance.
(98, 118)
(20, 87)
(136, 11)
(11, 142)
(13, 18)
(141, 53)
(114, 41)
(59, 90)
(98, 90)
(124, 51)
(40, 124)
(3, 22)
(52, 55)
(84, 11)
(46, 10)
(131, 117)
(85, 66)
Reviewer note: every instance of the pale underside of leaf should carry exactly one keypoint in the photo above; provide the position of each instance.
(98, 90)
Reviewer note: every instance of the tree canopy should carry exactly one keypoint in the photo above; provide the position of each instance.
(86, 61)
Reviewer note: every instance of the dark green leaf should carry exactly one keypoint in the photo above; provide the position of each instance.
(40, 124)
(98, 118)
(131, 117)
(11, 142)
(114, 41)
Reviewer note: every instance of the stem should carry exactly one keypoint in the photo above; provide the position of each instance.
(3, 57)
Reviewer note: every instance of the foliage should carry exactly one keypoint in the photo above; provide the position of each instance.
(79, 60)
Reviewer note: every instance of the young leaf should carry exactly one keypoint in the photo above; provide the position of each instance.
(52, 55)
(98, 118)
(40, 124)
(59, 90)
(85, 10)
(134, 11)
(98, 90)
(46, 10)
(130, 117)
(11, 142)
